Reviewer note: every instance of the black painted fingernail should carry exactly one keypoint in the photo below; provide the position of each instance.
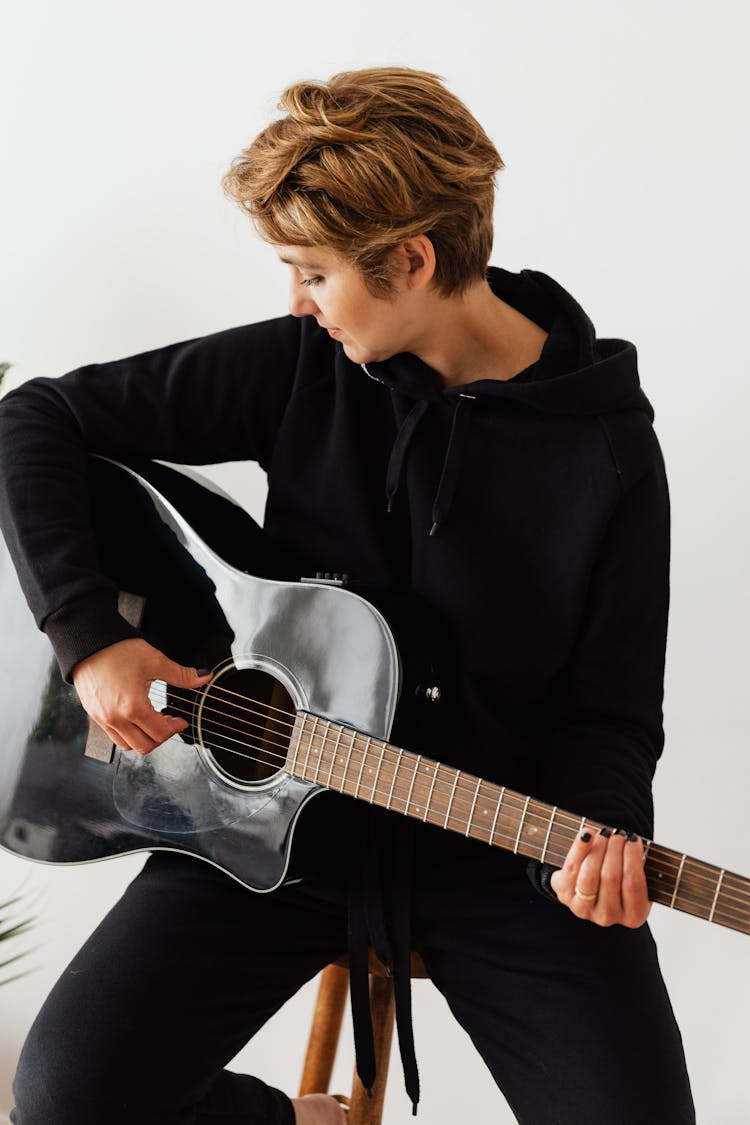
(202, 671)
(632, 838)
(605, 832)
(585, 836)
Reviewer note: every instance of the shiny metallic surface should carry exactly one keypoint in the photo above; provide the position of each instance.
(331, 649)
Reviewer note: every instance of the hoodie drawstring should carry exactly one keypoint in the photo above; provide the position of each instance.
(401, 909)
(453, 456)
(400, 446)
(367, 928)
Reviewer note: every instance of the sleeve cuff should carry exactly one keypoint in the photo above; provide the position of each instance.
(539, 876)
(84, 626)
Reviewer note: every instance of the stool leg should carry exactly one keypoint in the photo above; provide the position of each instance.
(324, 1033)
(364, 1110)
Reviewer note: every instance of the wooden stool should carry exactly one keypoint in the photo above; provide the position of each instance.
(326, 1026)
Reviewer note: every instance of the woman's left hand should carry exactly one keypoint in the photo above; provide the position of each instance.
(603, 879)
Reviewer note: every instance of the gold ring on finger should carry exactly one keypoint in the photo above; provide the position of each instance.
(586, 898)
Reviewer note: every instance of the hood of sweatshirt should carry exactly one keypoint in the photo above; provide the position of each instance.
(575, 374)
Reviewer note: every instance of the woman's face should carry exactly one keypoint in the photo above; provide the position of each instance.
(326, 286)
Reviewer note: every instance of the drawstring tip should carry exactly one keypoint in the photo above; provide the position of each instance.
(433, 529)
(414, 1109)
(390, 504)
(368, 1091)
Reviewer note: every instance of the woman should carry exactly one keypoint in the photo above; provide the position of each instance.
(523, 532)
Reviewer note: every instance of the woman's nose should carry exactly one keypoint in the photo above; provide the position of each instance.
(300, 300)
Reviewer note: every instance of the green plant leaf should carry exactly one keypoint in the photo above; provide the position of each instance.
(11, 928)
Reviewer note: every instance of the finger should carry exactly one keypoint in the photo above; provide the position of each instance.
(135, 739)
(608, 908)
(117, 734)
(158, 725)
(113, 735)
(178, 675)
(636, 906)
(586, 891)
(136, 713)
(563, 881)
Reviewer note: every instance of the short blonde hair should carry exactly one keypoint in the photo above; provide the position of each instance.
(366, 161)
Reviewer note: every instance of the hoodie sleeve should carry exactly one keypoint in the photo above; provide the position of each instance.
(215, 398)
(605, 732)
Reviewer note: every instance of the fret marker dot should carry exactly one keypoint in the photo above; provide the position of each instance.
(532, 831)
(417, 808)
(369, 769)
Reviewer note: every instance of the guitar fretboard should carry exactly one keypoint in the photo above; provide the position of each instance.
(340, 758)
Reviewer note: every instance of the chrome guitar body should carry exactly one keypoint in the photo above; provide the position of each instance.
(271, 639)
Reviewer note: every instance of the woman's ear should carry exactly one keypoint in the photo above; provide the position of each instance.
(416, 262)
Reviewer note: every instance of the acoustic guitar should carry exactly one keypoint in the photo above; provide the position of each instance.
(307, 675)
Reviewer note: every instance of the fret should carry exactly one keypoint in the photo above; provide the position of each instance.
(309, 748)
(413, 779)
(377, 772)
(395, 776)
(429, 795)
(450, 799)
(549, 829)
(298, 724)
(333, 756)
(520, 825)
(497, 813)
(347, 763)
(716, 895)
(677, 880)
(473, 805)
(320, 755)
(362, 766)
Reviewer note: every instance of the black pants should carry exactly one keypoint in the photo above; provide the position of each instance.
(573, 1020)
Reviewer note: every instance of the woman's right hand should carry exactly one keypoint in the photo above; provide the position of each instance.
(113, 686)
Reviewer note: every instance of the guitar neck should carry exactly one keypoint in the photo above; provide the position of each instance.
(347, 761)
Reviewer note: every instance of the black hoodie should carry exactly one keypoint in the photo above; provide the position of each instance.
(529, 516)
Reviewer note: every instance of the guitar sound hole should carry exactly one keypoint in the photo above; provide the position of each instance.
(245, 724)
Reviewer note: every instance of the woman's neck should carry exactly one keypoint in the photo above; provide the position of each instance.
(476, 336)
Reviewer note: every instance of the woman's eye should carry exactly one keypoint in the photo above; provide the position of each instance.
(311, 280)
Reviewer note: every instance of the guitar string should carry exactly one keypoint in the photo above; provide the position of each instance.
(568, 818)
(281, 759)
(561, 817)
(729, 913)
(663, 862)
(471, 789)
(497, 833)
(709, 879)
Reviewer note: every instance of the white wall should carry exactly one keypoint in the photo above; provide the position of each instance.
(624, 127)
